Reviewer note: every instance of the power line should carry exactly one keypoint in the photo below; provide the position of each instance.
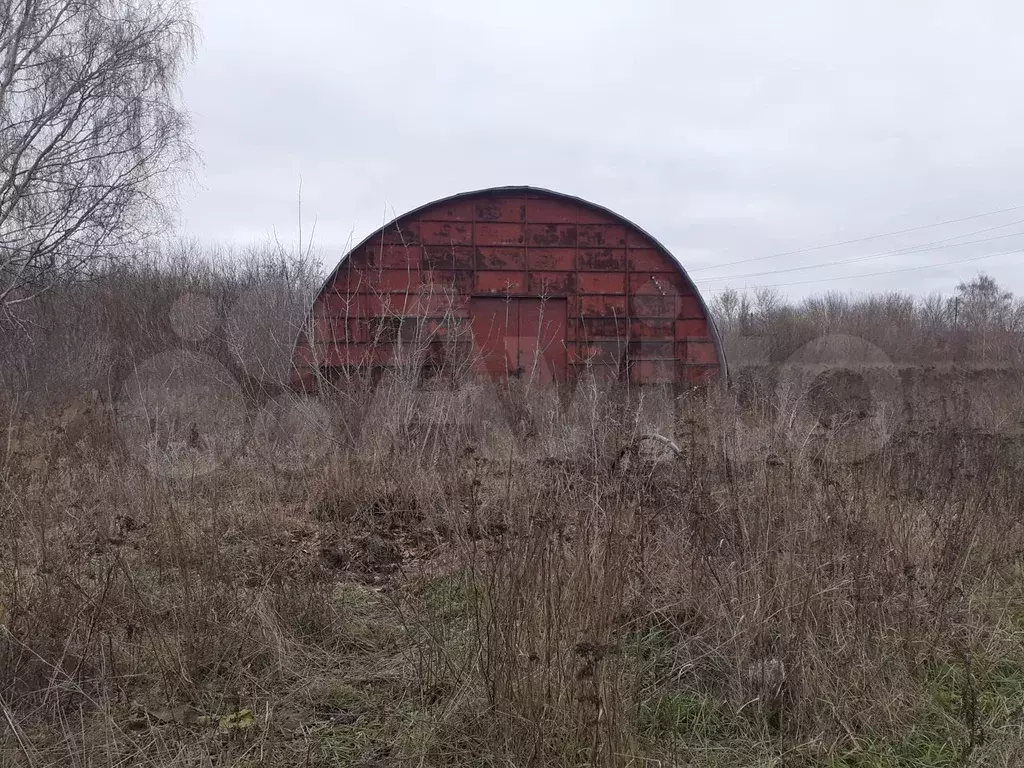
(858, 239)
(908, 251)
(874, 274)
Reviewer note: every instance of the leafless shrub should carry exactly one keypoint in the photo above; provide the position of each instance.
(242, 308)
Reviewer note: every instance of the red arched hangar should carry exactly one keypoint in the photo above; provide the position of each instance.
(542, 285)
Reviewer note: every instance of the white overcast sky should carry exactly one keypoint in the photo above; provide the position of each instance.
(728, 130)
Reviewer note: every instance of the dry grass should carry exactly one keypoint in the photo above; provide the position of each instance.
(400, 575)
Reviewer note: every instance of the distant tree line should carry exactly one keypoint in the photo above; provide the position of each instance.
(981, 320)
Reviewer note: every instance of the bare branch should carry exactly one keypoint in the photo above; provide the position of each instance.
(90, 127)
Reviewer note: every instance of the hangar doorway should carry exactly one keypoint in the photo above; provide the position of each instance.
(523, 338)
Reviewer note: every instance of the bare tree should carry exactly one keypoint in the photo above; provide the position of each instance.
(90, 130)
(983, 303)
(768, 300)
(725, 308)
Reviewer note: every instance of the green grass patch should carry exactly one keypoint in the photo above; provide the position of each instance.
(683, 715)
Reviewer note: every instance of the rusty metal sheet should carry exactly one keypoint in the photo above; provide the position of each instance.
(418, 331)
(446, 327)
(422, 302)
(500, 282)
(392, 280)
(563, 235)
(501, 209)
(541, 340)
(448, 256)
(647, 349)
(656, 283)
(651, 329)
(439, 256)
(340, 304)
(499, 233)
(405, 231)
(637, 239)
(652, 306)
(548, 211)
(495, 323)
(348, 331)
(465, 258)
(360, 258)
(552, 259)
(393, 255)
(434, 302)
(446, 233)
(594, 216)
(689, 307)
(604, 328)
(601, 282)
(488, 257)
(333, 329)
(700, 352)
(456, 210)
(375, 330)
(346, 281)
(552, 283)
(373, 305)
(602, 236)
(443, 280)
(602, 259)
(603, 352)
(650, 260)
(693, 328)
(601, 306)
